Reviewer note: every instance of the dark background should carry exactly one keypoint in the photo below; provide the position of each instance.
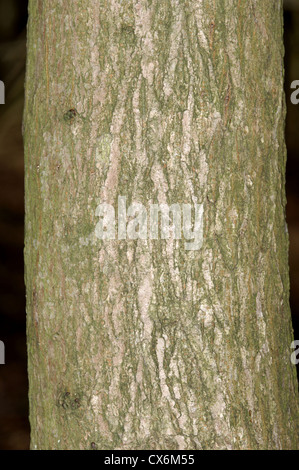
(14, 426)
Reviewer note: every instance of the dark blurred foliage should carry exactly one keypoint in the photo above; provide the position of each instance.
(292, 141)
(14, 426)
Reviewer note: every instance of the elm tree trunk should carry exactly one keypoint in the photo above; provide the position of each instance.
(142, 344)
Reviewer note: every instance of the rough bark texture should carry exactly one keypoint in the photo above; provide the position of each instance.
(140, 344)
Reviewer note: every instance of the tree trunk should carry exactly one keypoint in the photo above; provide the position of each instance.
(142, 343)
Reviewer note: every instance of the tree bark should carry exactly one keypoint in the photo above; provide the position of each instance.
(142, 344)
